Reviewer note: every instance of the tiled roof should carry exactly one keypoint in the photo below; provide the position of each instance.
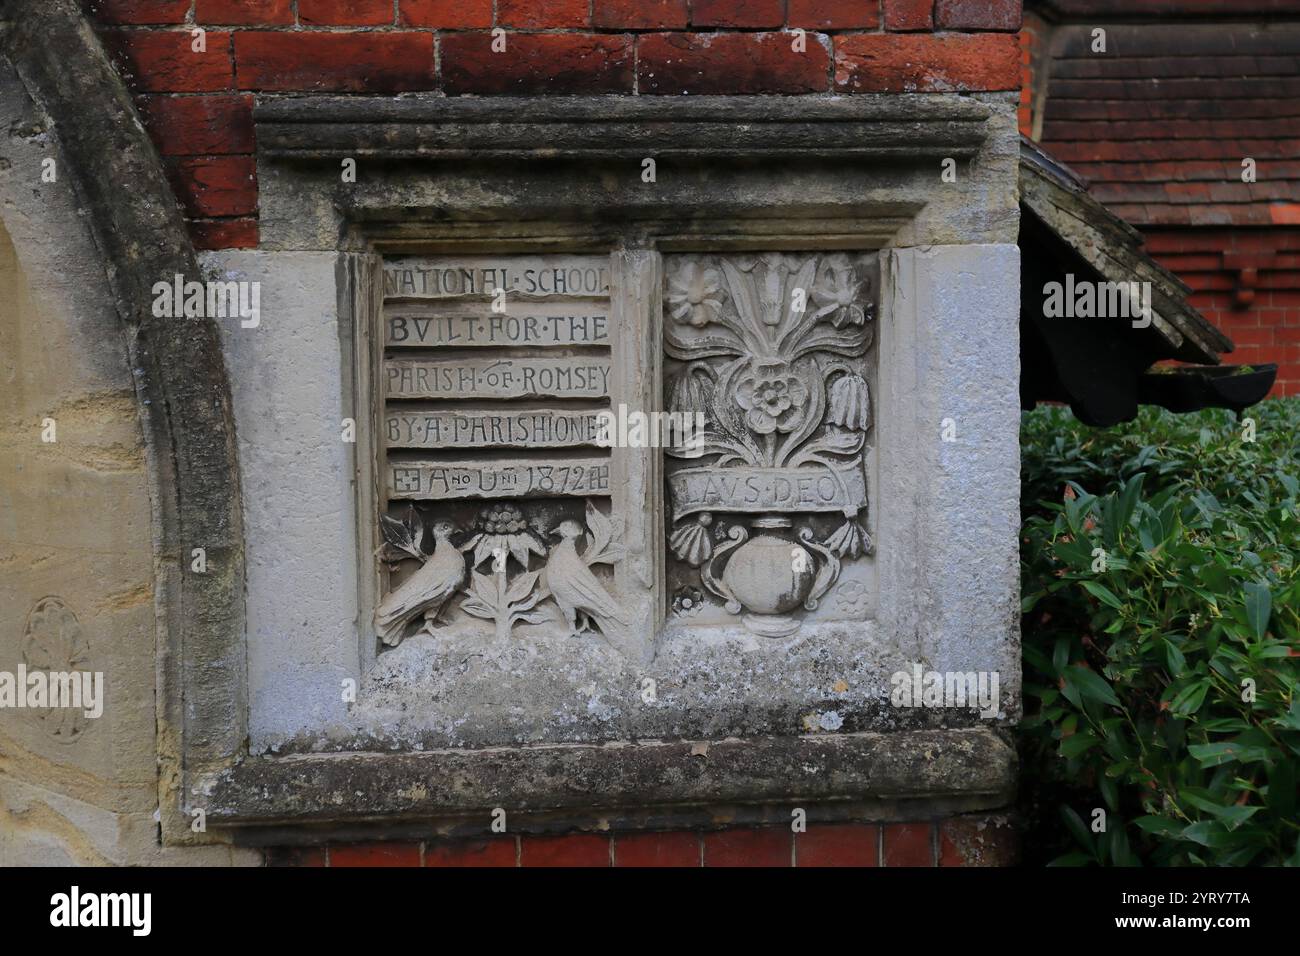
(1160, 123)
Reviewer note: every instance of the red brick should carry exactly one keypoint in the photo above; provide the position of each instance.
(543, 14)
(345, 13)
(657, 849)
(295, 856)
(224, 233)
(445, 14)
(909, 14)
(194, 125)
(673, 63)
(243, 12)
(375, 854)
(977, 841)
(834, 14)
(574, 849)
(165, 62)
(639, 14)
(1262, 336)
(766, 847)
(852, 844)
(537, 63)
(977, 14)
(213, 186)
(907, 844)
(894, 63)
(737, 13)
(351, 62)
(496, 851)
(139, 11)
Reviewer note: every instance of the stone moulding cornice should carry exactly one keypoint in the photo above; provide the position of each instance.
(894, 128)
(868, 775)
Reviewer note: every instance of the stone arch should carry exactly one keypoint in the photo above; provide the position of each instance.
(63, 100)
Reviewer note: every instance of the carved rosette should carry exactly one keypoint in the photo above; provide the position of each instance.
(772, 349)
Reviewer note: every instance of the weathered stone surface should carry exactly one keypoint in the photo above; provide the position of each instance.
(731, 162)
(174, 368)
(971, 768)
(771, 351)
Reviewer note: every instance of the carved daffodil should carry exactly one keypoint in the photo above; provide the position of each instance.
(837, 293)
(773, 398)
(695, 294)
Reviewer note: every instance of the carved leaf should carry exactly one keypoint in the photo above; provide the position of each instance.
(521, 585)
(523, 544)
(483, 549)
(604, 549)
(407, 535)
(477, 609)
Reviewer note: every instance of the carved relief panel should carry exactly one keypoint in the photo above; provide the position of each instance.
(503, 506)
(521, 499)
(768, 513)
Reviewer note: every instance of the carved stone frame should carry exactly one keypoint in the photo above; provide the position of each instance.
(734, 174)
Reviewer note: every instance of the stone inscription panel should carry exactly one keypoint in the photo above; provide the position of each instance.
(496, 513)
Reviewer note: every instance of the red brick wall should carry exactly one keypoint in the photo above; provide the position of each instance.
(197, 105)
(959, 841)
(1247, 282)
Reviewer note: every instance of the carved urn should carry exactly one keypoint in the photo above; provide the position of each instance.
(769, 575)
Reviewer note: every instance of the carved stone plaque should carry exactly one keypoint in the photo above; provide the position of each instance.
(769, 521)
(504, 510)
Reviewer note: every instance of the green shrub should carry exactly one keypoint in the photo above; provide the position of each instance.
(1161, 637)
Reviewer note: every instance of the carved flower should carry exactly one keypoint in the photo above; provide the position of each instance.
(503, 530)
(55, 642)
(850, 403)
(695, 294)
(837, 294)
(773, 397)
(688, 602)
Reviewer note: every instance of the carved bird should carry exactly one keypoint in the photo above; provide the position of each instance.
(424, 592)
(575, 589)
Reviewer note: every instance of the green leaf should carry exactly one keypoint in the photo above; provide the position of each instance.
(1213, 755)
(1101, 593)
(1091, 685)
(1174, 659)
(1160, 826)
(1259, 604)
(1076, 744)
(1189, 700)
(1080, 829)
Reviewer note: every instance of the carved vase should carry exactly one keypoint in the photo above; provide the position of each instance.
(767, 576)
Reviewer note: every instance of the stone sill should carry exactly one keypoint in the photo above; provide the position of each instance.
(868, 776)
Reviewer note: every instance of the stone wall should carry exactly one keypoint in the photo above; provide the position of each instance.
(124, 789)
